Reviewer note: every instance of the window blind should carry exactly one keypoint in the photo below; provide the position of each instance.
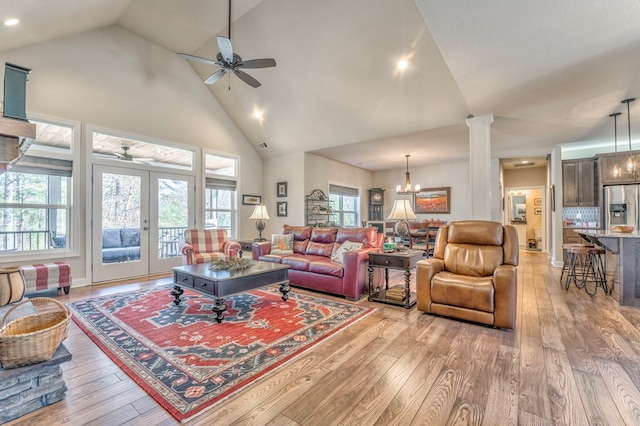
(343, 190)
(213, 183)
(41, 165)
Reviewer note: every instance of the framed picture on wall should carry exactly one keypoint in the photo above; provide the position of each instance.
(433, 200)
(281, 189)
(282, 208)
(251, 200)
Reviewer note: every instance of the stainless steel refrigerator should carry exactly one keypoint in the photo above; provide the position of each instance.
(621, 203)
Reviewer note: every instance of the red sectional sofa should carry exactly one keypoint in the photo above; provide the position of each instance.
(310, 264)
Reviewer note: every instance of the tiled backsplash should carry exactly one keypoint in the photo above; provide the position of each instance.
(581, 214)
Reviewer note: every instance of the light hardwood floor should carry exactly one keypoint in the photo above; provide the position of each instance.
(572, 360)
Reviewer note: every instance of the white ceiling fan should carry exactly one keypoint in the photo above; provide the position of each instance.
(231, 62)
(125, 156)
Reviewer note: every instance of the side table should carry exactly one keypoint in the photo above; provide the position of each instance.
(245, 246)
(405, 260)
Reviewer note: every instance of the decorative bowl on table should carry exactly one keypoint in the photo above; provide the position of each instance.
(625, 229)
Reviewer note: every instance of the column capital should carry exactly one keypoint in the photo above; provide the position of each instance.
(486, 119)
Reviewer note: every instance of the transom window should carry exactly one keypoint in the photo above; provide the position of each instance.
(117, 148)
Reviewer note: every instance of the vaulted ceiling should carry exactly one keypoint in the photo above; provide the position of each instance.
(549, 71)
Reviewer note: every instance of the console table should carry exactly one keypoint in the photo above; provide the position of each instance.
(404, 260)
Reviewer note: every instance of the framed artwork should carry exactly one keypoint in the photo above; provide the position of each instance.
(537, 210)
(433, 200)
(377, 224)
(282, 208)
(537, 201)
(251, 200)
(281, 189)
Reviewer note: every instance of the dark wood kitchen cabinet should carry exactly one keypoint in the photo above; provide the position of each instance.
(579, 183)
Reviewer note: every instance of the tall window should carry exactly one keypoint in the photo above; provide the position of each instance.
(35, 203)
(220, 206)
(344, 202)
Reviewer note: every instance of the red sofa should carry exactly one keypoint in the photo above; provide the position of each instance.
(310, 265)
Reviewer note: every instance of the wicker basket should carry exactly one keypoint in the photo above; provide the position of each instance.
(33, 338)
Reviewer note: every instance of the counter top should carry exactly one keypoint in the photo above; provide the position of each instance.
(601, 233)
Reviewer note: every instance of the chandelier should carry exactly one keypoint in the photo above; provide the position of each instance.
(407, 183)
(631, 164)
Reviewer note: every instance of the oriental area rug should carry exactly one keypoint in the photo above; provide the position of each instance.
(187, 361)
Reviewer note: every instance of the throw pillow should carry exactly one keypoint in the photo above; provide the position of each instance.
(345, 247)
(282, 244)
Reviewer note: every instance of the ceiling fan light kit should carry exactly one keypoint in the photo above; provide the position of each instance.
(230, 62)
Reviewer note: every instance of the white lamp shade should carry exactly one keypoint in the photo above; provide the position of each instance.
(401, 211)
(260, 212)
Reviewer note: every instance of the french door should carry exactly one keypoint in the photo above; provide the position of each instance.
(138, 221)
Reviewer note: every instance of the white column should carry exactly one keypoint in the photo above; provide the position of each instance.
(556, 237)
(480, 165)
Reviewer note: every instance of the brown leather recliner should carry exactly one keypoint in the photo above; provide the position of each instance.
(472, 275)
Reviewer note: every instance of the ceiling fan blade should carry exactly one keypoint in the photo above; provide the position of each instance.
(197, 59)
(215, 76)
(247, 78)
(224, 44)
(259, 63)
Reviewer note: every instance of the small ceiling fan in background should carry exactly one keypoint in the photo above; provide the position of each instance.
(124, 156)
(231, 62)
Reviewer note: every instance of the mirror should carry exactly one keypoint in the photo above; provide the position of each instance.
(518, 208)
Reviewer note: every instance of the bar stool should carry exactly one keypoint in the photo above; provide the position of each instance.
(586, 264)
(568, 256)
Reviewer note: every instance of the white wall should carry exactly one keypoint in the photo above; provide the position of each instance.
(320, 172)
(454, 175)
(289, 169)
(114, 79)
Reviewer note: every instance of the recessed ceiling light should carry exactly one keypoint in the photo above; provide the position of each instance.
(403, 64)
(524, 161)
(258, 114)
(11, 22)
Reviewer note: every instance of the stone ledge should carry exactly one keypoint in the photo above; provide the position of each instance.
(29, 388)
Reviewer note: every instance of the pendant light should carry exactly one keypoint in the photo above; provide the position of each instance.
(631, 164)
(407, 183)
(616, 172)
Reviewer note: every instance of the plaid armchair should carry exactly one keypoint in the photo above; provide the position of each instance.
(206, 245)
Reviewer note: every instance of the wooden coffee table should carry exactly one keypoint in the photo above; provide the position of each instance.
(220, 283)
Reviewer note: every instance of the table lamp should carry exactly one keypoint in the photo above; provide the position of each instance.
(402, 211)
(260, 213)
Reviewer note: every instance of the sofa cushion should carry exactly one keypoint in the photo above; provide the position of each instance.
(111, 238)
(321, 242)
(301, 235)
(205, 240)
(367, 236)
(476, 232)
(473, 260)
(130, 237)
(281, 243)
(299, 262)
(325, 266)
(344, 248)
(463, 291)
(208, 257)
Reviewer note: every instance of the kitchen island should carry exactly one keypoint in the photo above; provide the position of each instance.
(622, 262)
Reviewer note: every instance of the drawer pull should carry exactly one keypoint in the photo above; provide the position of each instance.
(386, 262)
(185, 278)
